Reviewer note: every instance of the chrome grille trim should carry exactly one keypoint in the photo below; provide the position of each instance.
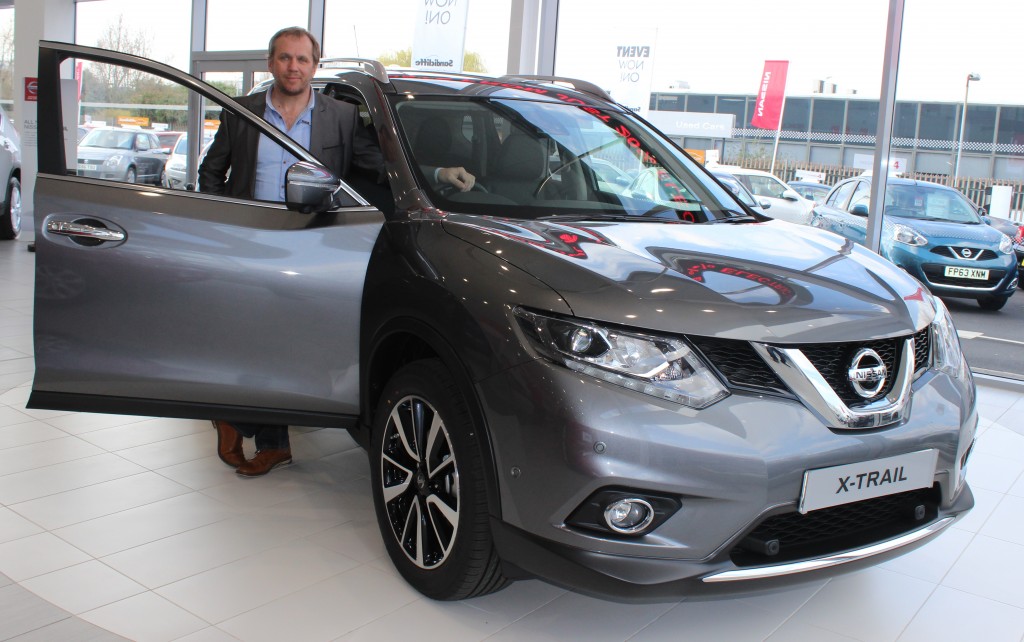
(797, 372)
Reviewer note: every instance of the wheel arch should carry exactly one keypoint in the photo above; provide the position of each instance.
(401, 341)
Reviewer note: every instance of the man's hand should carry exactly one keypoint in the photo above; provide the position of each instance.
(457, 176)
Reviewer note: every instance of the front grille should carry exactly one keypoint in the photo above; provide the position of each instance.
(742, 367)
(954, 253)
(833, 361)
(835, 529)
(936, 274)
(739, 364)
(922, 349)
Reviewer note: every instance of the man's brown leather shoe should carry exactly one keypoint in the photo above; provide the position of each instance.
(265, 461)
(229, 444)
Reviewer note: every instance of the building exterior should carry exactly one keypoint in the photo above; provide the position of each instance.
(841, 131)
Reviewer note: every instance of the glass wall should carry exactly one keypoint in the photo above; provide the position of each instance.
(249, 24)
(384, 30)
(157, 29)
(828, 117)
(7, 58)
(797, 115)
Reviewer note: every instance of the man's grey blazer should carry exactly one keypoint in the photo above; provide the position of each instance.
(337, 139)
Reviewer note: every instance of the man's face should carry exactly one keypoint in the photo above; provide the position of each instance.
(292, 64)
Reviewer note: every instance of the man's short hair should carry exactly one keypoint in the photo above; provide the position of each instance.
(294, 32)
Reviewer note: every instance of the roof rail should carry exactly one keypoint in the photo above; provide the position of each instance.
(573, 83)
(372, 67)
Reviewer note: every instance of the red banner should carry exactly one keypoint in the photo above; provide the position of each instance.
(770, 95)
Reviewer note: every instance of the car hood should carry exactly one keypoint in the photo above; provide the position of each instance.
(99, 153)
(772, 282)
(950, 232)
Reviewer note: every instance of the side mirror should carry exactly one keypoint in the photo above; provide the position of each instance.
(309, 188)
(860, 209)
(790, 195)
(764, 203)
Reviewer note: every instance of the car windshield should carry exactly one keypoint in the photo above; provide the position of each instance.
(537, 159)
(927, 202)
(737, 189)
(182, 146)
(108, 138)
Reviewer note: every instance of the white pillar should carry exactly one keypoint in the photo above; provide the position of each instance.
(34, 20)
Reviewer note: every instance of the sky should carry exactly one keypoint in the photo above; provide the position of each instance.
(715, 47)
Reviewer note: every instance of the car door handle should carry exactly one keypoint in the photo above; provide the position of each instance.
(81, 230)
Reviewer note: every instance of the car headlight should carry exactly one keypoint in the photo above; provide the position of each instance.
(664, 367)
(947, 355)
(908, 235)
(114, 160)
(1006, 245)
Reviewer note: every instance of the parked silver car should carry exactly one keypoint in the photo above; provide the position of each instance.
(786, 203)
(10, 169)
(127, 155)
(630, 396)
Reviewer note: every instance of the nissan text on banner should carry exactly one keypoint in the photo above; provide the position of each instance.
(634, 71)
(770, 95)
(440, 37)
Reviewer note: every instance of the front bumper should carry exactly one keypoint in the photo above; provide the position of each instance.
(560, 437)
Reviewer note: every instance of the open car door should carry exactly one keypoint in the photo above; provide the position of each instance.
(178, 303)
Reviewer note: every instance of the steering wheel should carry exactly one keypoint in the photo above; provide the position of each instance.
(447, 189)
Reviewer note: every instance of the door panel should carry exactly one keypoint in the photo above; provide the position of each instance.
(188, 304)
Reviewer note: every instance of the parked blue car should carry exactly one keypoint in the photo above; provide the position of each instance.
(931, 231)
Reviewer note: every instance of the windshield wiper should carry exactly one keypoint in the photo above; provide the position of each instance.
(632, 218)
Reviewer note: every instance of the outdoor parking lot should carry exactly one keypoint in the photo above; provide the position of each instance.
(993, 342)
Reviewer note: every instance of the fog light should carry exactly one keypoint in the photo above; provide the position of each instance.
(628, 516)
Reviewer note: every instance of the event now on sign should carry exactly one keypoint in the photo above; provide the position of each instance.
(839, 485)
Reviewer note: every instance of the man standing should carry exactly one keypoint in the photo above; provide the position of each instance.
(332, 131)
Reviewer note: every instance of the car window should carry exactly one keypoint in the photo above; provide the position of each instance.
(127, 156)
(737, 189)
(841, 195)
(545, 158)
(766, 186)
(929, 202)
(861, 195)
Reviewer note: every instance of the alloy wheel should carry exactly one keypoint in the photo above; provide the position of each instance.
(420, 482)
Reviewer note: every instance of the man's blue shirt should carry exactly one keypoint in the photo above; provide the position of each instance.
(272, 160)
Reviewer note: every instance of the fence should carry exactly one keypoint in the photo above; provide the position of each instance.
(976, 189)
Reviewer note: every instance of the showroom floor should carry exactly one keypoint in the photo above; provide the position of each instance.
(129, 526)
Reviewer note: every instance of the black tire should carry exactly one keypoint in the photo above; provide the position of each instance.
(162, 181)
(418, 494)
(10, 218)
(130, 176)
(993, 303)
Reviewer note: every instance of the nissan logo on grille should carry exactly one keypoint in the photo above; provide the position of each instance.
(966, 253)
(867, 373)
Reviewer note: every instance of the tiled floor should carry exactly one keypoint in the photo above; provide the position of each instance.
(125, 526)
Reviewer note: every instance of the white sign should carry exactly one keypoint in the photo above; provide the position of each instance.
(440, 37)
(809, 176)
(633, 73)
(691, 123)
(897, 164)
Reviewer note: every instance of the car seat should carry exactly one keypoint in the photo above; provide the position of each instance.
(520, 168)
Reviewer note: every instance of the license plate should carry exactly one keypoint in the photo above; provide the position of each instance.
(967, 273)
(825, 487)
(86, 167)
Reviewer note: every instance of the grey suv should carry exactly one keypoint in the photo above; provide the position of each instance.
(552, 375)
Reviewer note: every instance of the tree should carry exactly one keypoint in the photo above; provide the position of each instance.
(121, 81)
(471, 61)
(7, 60)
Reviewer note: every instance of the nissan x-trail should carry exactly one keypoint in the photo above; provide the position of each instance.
(638, 390)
